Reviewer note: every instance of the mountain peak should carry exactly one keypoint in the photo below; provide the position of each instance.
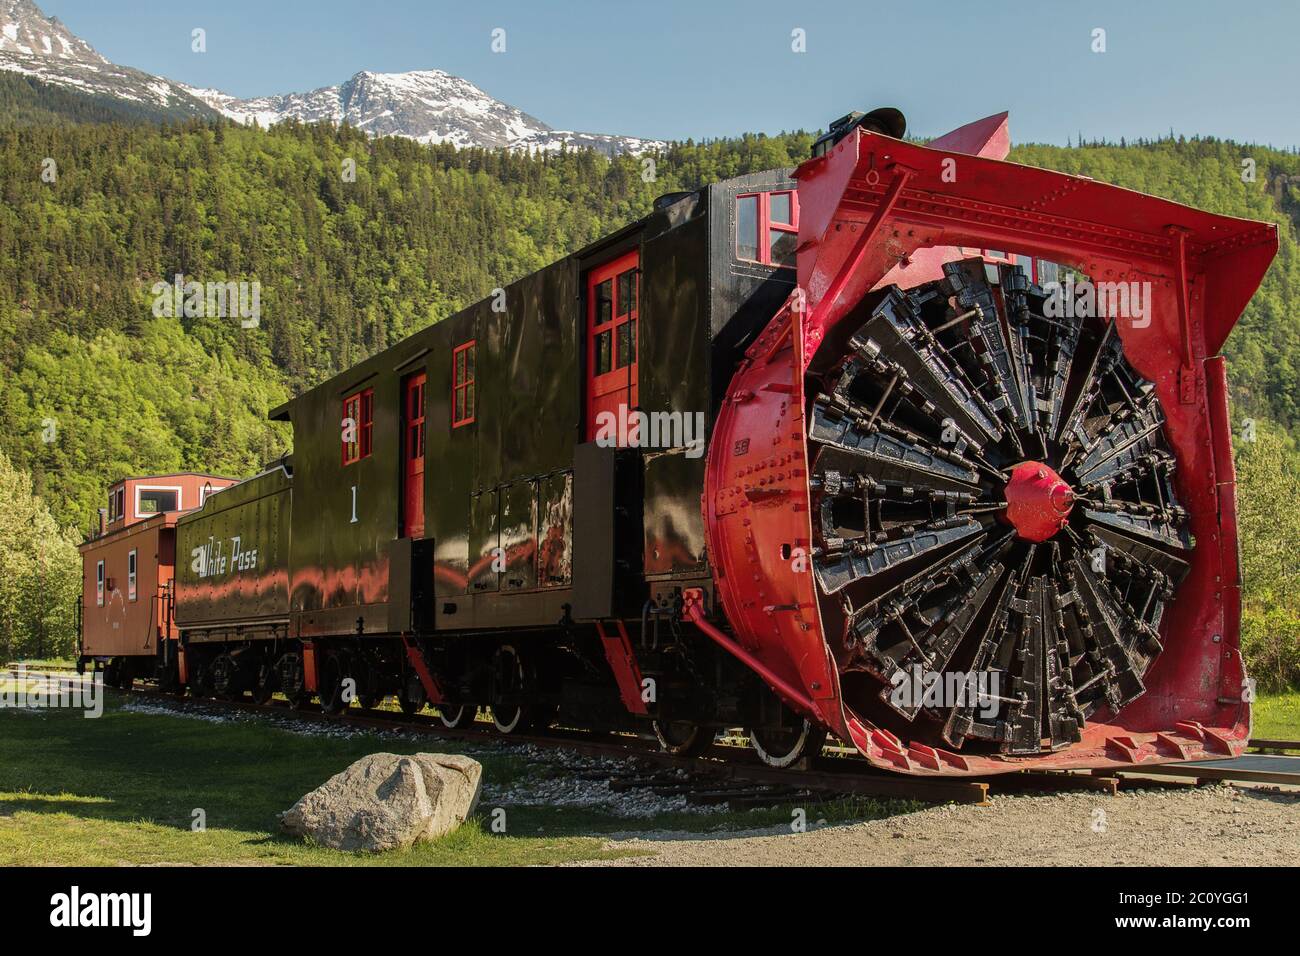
(431, 106)
(27, 34)
(42, 47)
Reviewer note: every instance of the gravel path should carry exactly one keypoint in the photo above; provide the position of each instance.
(1207, 826)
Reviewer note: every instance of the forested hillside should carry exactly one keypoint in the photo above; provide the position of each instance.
(93, 386)
(345, 269)
(25, 100)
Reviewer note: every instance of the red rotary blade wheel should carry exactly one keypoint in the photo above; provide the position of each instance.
(992, 494)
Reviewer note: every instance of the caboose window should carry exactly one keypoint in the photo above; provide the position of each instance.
(767, 227)
(130, 575)
(152, 501)
(358, 425)
(99, 583)
(462, 385)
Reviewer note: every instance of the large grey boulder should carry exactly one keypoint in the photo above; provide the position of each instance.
(388, 801)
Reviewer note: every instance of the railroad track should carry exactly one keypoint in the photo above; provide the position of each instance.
(720, 765)
(734, 774)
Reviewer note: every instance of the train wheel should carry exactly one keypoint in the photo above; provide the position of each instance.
(125, 679)
(784, 746)
(458, 717)
(112, 671)
(363, 671)
(224, 674)
(333, 689)
(413, 696)
(510, 713)
(292, 679)
(267, 683)
(200, 681)
(683, 738)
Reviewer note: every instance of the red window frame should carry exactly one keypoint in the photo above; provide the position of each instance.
(462, 383)
(615, 323)
(766, 225)
(360, 407)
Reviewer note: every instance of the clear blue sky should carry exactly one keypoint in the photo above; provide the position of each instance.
(673, 69)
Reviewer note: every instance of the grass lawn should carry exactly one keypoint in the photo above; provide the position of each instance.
(54, 663)
(121, 789)
(1277, 716)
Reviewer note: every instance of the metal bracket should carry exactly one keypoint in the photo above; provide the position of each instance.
(416, 658)
(622, 661)
(1187, 366)
(850, 265)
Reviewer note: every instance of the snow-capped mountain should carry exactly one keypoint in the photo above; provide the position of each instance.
(426, 105)
(40, 46)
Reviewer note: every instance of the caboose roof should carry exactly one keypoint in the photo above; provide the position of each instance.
(171, 474)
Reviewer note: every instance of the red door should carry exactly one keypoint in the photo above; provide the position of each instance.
(413, 456)
(612, 309)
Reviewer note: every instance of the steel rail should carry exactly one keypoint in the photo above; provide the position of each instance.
(1248, 768)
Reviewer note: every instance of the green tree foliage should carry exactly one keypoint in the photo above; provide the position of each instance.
(1268, 523)
(40, 573)
(85, 413)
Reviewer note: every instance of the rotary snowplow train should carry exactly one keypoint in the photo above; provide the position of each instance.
(810, 451)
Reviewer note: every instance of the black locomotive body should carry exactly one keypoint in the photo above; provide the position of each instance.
(451, 495)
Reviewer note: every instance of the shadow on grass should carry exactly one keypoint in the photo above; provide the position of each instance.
(129, 766)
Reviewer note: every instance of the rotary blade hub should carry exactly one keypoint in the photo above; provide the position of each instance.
(1038, 500)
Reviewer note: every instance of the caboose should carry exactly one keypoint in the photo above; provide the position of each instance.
(789, 453)
(127, 567)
